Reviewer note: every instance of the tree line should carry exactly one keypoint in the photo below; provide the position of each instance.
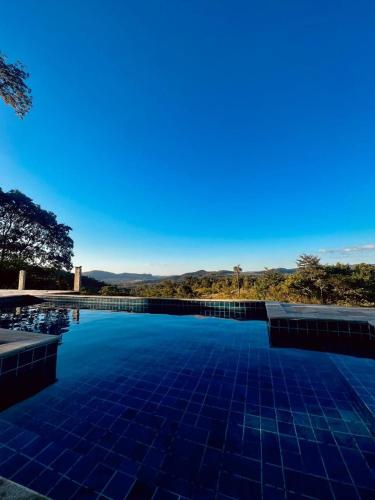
(311, 283)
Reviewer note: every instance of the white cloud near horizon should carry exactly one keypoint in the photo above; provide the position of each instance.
(370, 247)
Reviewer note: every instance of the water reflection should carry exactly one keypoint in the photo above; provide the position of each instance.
(75, 316)
(40, 319)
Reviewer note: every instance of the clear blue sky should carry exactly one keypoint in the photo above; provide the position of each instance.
(179, 135)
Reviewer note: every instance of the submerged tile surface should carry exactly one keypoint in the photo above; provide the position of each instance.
(157, 406)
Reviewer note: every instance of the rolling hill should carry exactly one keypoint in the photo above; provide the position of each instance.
(133, 278)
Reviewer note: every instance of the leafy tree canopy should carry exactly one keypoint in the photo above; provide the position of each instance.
(30, 235)
(13, 89)
(308, 261)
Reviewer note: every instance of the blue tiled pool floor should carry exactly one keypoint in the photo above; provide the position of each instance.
(162, 407)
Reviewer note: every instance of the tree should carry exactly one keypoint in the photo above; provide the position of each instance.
(109, 290)
(306, 261)
(238, 270)
(31, 236)
(364, 282)
(310, 281)
(267, 283)
(13, 89)
(185, 290)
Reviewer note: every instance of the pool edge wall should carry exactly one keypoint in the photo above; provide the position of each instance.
(26, 370)
(237, 309)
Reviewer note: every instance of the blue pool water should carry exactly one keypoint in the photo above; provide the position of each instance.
(158, 406)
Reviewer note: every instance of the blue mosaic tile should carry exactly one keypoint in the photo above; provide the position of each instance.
(167, 407)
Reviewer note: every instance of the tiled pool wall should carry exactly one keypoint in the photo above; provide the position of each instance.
(26, 372)
(351, 337)
(226, 309)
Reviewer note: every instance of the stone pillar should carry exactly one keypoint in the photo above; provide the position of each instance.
(77, 278)
(22, 280)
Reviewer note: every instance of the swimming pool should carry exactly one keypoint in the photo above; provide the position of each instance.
(162, 406)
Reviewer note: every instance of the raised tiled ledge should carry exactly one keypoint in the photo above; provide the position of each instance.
(349, 330)
(27, 364)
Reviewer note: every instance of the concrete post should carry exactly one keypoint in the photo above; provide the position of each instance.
(22, 280)
(77, 278)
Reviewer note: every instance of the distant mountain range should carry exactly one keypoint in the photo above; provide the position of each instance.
(119, 277)
(136, 278)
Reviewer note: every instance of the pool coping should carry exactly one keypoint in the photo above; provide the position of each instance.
(283, 310)
(14, 341)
